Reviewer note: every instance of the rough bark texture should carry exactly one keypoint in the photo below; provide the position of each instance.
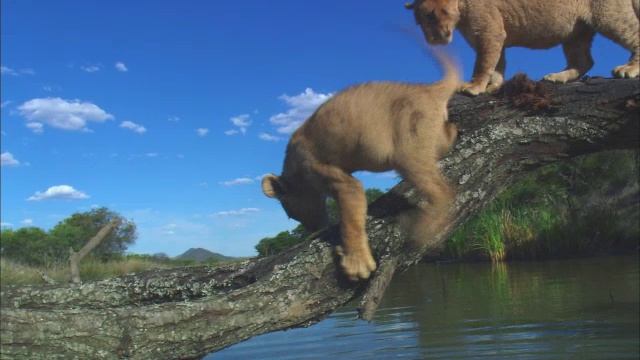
(190, 312)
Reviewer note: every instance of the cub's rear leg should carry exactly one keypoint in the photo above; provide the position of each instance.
(356, 258)
(431, 185)
(577, 51)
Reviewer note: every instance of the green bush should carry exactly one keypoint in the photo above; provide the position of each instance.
(34, 246)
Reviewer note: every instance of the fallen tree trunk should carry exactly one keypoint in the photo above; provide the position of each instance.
(192, 311)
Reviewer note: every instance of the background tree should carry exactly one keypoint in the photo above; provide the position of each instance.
(34, 246)
(29, 245)
(284, 240)
(79, 228)
(287, 239)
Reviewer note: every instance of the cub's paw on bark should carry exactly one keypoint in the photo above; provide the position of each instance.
(357, 264)
(626, 71)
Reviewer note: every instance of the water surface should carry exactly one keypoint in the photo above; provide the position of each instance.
(580, 309)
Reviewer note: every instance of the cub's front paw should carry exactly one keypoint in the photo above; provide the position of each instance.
(356, 264)
(471, 88)
(563, 77)
(626, 71)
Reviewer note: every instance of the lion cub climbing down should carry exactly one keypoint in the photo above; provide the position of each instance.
(490, 26)
(376, 126)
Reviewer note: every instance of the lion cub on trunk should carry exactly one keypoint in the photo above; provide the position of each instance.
(376, 126)
(490, 26)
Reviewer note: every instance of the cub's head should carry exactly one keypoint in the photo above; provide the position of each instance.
(305, 205)
(437, 18)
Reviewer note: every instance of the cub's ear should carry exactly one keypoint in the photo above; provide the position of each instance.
(273, 187)
(408, 6)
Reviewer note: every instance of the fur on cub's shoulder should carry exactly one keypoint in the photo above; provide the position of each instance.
(490, 26)
(376, 126)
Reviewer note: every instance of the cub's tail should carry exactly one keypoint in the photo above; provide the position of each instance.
(452, 73)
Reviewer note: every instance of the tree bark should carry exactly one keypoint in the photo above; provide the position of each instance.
(189, 312)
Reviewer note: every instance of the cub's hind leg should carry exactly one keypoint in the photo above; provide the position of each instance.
(577, 51)
(425, 176)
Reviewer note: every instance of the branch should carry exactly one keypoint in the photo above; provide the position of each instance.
(76, 258)
(45, 278)
(376, 289)
(190, 312)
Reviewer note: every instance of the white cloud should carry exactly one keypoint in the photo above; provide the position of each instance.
(169, 229)
(242, 122)
(6, 224)
(173, 118)
(7, 71)
(47, 88)
(36, 127)
(133, 126)
(238, 181)
(202, 131)
(61, 114)
(7, 159)
(121, 67)
(240, 212)
(90, 68)
(268, 137)
(59, 192)
(138, 156)
(5, 103)
(389, 175)
(301, 107)
(27, 222)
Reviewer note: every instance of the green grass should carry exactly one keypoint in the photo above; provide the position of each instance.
(566, 209)
(544, 228)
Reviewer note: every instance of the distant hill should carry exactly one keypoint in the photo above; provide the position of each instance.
(201, 254)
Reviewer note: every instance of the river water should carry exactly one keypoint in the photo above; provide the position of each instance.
(570, 309)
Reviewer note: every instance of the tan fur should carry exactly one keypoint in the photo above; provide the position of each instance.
(377, 126)
(490, 26)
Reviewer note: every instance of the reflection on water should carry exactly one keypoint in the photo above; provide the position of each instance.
(584, 308)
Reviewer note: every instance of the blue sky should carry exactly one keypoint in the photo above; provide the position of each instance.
(170, 112)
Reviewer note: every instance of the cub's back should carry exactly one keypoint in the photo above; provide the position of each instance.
(360, 127)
